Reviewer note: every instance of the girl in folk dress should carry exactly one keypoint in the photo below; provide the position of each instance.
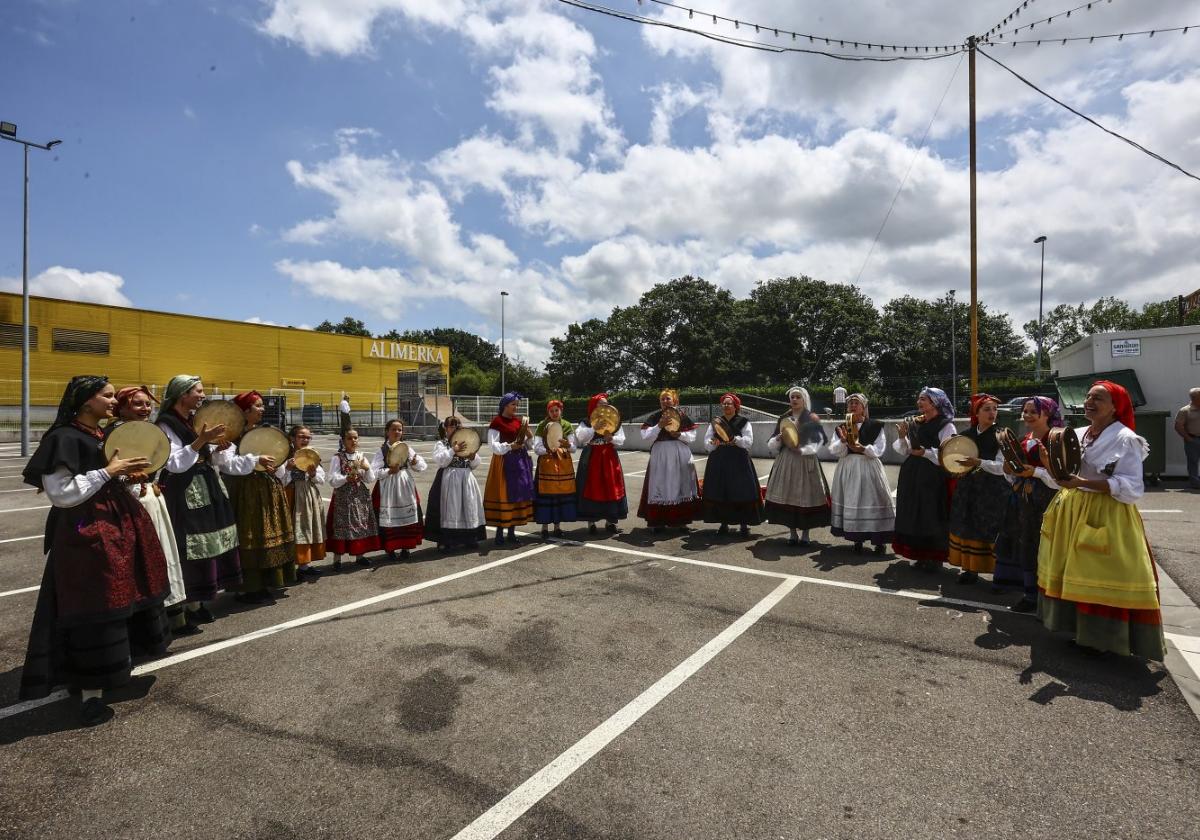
(203, 519)
(671, 491)
(303, 489)
(1033, 490)
(455, 515)
(266, 541)
(508, 495)
(731, 494)
(980, 497)
(599, 481)
(797, 491)
(395, 498)
(861, 499)
(555, 500)
(350, 526)
(923, 490)
(1096, 577)
(137, 403)
(100, 602)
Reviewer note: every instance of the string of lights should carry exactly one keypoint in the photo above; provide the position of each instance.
(780, 32)
(1120, 36)
(1085, 117)
(901, 50)
(995, 30)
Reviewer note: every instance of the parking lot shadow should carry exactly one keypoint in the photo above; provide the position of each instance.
(1120, 681)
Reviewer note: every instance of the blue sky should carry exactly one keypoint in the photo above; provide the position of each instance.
(296, 160)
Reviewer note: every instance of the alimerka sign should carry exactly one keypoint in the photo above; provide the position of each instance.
(401, 351)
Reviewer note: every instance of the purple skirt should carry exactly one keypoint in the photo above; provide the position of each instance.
(518, 476)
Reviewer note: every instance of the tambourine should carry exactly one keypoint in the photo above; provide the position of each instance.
(265, 440)
(670, 421)
(139, 439)
(789, 433)
(306, 458)
(605, 419)
(470, 437)
(723, 430)
(553, 436)
(1066, 455)
(398, 454)
(1011, 450)
(951, 453)
(220, 412)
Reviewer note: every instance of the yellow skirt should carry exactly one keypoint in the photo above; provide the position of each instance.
(1093, 551)
(555, 475)
(498, 511)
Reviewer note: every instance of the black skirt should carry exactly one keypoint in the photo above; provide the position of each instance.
(731, 494)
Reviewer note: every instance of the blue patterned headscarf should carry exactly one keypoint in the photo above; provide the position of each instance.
(1049, 409)
(940, 400)
(511, 396)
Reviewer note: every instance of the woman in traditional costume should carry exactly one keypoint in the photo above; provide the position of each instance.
(671, 491)
(350, 525)
(454, 517)
(1096, 577)
(303, 490)
(554, 503)
(508, 494)
(203, 519)
(599, 481)
(1033, 488)
(394, 497)
(923, 490)
(100, 602)
(731, 494)
(266, 540)
(797, 491)
(980, 497)
(137, 403)
(861, 500)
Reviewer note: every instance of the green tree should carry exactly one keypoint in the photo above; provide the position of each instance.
(469, 379)
(525, 379)
(464, 346)
(347, 326)
(588, 359)
(1163, 313)
(1066, 324)
(800, 329)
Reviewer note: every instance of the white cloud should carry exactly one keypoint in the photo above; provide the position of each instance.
(73, 284)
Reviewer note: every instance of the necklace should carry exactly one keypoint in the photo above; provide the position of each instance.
(94, 431)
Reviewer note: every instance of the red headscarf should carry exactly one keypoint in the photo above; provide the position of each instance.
(553, 403)
(595, 401)
(1121, 402)
(246, 399)
(977, 402)
(737, 404)
(126, 394)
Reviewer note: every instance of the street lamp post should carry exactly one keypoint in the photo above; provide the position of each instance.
(503, 295)
(1037, 373)
(953, 357)
(9, 132)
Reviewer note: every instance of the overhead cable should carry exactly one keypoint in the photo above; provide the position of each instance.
(1082, 116)
(1120, 36)
(1063, 15)
(760, 45)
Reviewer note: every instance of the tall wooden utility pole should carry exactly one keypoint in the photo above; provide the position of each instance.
(974, 234)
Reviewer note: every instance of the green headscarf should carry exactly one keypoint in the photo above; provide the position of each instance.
(176, 388)
(567, 428)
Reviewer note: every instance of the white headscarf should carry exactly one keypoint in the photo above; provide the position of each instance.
(803, 392)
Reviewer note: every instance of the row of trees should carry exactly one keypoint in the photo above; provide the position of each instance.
(690, 332)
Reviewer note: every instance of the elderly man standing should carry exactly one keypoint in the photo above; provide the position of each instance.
(1187, 425)
(344, 415)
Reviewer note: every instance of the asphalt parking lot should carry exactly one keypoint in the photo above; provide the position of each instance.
(676, 685)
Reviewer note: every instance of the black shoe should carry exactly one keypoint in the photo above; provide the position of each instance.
(499, 539)
(201, 616)
(261, 597)
(403, 554)
(658, 529)
(880, 549)
(1025, 605)
(591, 527)
(512, 535)
(336, 568)
(793, 541)
(308, 571)
(611, 527)
(363, 561)
(967, 578)
(187, 629)
(723, 531)
(858, 548)
(546, 532)
(558, 533)
(744, 531)
(94, 711)
(390, 557)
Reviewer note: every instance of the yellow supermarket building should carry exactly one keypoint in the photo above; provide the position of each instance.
(137, 346)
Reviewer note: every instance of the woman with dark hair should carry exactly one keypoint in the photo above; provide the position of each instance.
(350, 525)
(266, 539)
(862, 506)
(508, 494)
(671, 490)
(731, 493)
(922, 489)
(303, 489)
(394, 496)
(1033, 488)
(599, 480)
(101, 597)
(554, 502)
(1096, 578)
(454, 515)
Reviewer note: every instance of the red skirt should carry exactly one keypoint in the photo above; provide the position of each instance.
(403, 537)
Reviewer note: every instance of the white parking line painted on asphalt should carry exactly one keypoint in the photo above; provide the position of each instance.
(18, 510)
(21, 539)
(20, 490)
(1143, 510)
(19, 591)
(509, 809)
(205, 650)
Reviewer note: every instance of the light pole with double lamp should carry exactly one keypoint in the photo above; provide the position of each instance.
(1037, 373)
(503, 295)
(8, 131)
